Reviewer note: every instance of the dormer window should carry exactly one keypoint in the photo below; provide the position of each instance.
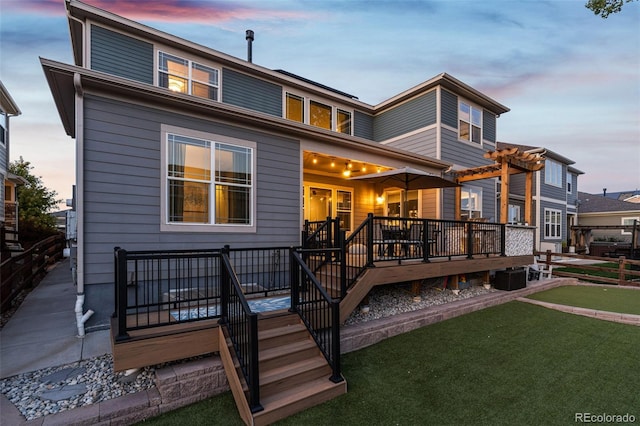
(470, 123)
(185, 76)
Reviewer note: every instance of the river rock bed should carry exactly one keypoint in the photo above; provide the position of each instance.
(52, 390)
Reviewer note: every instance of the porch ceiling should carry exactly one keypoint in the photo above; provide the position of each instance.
(324, 164)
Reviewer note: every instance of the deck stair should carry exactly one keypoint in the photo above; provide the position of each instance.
(294, 375)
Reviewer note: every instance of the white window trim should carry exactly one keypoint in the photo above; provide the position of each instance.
(472, 107)
(480, 192)
(165, 225)
(334, 198)
(550, 178)
(631, 219)
(156, 77)
(307, 110)
(559, 214)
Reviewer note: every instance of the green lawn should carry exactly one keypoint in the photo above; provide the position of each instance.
(622, 300)
(511, 364)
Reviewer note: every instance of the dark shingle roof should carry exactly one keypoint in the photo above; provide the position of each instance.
(591, 203)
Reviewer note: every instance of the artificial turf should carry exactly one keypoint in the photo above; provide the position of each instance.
(511, 364)
(621, 300)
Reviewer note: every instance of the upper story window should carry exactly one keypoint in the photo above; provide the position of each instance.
(295, 108)
(320, 114)
(3, 128)
(569, 183)
(470, 123)
(552, 173)
(209, 181)
(185, 76)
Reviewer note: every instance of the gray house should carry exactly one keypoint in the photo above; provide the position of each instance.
(180, 146)
(555, 198)
(10, 182)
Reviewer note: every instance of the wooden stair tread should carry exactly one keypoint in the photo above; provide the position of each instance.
(280, 331)
(293, 369)
(298, 398)
(289, 348)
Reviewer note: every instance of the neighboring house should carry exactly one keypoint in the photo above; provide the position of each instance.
(629, 196)
(555, 198)
(180, 146)
(10, 182)
(600, 211)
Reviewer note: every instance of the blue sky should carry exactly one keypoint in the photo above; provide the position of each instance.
(570, 78)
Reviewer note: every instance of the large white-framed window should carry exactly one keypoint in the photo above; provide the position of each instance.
(317, 113)
(552, 173)
(208, 182)
(552, 224)
(628, 221)
(186, 76)
(469, 123)
(470, 202)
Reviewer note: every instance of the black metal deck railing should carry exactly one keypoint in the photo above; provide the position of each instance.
(157, 288)
(242, 325)
(319, 311)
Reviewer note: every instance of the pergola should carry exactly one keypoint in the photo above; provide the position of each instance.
(509, 161)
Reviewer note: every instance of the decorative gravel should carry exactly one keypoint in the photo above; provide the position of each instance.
(55, 389)
(389, 300)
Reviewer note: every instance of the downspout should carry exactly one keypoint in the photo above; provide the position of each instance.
(80, 317)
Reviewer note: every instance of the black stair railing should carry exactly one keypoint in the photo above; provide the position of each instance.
(242, 325)
(319, 312)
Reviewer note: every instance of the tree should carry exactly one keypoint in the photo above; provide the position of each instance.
(35, 202)
(606, 7)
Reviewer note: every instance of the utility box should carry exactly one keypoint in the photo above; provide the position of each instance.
(511, 279)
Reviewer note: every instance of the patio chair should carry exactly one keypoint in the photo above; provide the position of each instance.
(414, 239)
(538, 271)
(384, 245)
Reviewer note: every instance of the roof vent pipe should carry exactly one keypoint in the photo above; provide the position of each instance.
(249, 38)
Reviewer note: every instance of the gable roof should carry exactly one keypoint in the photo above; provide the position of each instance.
(80, 12)
(591, 203)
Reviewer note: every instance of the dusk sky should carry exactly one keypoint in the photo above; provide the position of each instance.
(570, 78)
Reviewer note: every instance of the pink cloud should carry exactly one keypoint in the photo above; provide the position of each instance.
(196, 11)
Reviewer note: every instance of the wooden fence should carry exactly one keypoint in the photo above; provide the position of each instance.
(25, 270)
(626, 272)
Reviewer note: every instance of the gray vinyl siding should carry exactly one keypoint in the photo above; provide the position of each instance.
(122, 181)
(572, 198)
(409, 116)
(488, 126)
(467, 155)
(248, 92)
(120, 55)
(362, 125)
(423, 143)
(517, 185)
(552, 191)
(449, 114)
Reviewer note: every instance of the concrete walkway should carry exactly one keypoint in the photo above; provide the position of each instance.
(42, 332)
